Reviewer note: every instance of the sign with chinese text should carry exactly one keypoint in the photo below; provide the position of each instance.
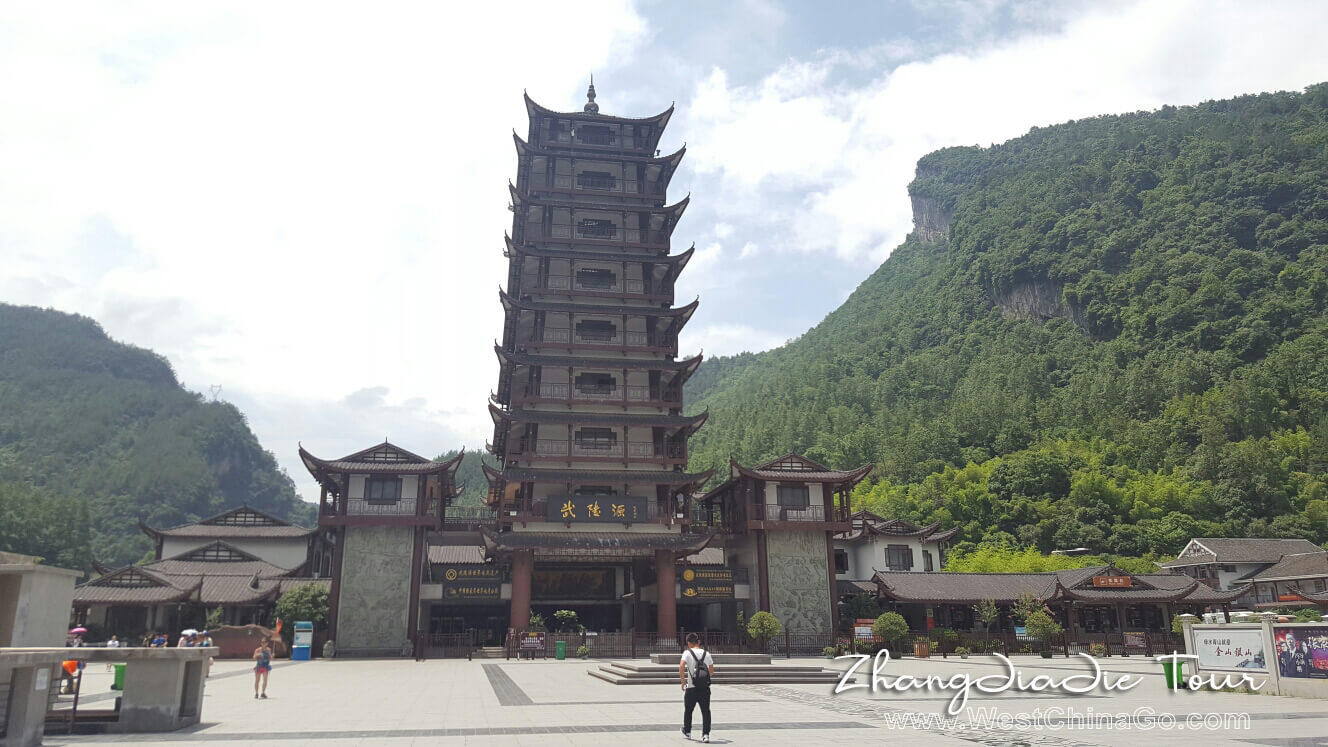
(706, 583)
(862, 629)
(622, 509)
(531, 642)
(1239, 649)
(1302, 651)
(470, 581)
(473, 590)
(1112, 582)
(1293, 597)
(1136, 641)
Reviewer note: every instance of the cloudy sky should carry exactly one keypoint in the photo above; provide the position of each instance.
(304, 203)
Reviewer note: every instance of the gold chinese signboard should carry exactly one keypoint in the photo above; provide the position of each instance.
(1112, 582)
(706, 583)
(622, 509)
(471, 581)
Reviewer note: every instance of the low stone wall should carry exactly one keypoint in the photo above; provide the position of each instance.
(163, 688)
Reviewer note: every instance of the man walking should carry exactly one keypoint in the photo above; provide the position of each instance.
(695, 671)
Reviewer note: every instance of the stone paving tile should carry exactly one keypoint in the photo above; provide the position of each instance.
(487, 703)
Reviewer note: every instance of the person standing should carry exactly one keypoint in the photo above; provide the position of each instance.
(263, 665)
(113, 643)
(695, 670)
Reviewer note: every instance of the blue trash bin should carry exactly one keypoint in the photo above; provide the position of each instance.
(304, 641)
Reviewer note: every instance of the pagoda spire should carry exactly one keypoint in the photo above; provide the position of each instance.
(591, 107)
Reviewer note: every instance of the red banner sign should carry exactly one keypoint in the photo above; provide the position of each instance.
(1112, 582)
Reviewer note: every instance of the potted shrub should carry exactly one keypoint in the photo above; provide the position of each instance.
(891, 627)
(1098, 650)
(762, 627)
(1041, 626)
(830, 651)
(962, 651)
(583, 652)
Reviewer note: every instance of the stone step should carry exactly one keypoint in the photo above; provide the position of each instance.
(719, 658)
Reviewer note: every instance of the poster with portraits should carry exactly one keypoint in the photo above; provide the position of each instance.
(1302, 651)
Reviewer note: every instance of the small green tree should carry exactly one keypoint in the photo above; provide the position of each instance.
(1041, 626)
(1025, 606)
(890, 627)
(1177, 625)
(566, 620)
(536, 624)
(307, 603)
(762, 627)
(215, 617)
(987, 613)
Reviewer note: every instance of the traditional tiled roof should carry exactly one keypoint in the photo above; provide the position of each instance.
(799, 468)
(679, 259)
(1204, 550)
(293, 583)
(706, 556)
(1296, 565)
(243, 522)
(1075, 584)
(385, 458)
(671, 212)
(853, 588)
(682, 312)
(670, 161)
(446, 554)
(213, 574)
(658, 120)
(866, 524)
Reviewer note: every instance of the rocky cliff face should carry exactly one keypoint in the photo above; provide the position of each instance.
(1039, 300)
(931, 222)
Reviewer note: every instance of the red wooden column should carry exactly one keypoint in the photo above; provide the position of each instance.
(523, 567)
(668, 595)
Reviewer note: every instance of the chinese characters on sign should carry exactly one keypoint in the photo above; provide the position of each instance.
(1301, 651)
(531, 642)
(622, 509)
(1238, 649)
(1111, 582)
(471, 581)
(707, 583)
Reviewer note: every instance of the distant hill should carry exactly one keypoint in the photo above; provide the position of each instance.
(96, 435)
(1109, 333)
(470, 475)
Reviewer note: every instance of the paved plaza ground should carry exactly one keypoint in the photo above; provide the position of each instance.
(547, 702)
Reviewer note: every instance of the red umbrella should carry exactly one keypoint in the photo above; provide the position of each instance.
(76, 631)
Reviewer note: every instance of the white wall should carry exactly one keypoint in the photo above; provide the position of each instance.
(282, 552)
(865, 556)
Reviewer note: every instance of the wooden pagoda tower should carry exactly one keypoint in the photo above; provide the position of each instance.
(587, 415)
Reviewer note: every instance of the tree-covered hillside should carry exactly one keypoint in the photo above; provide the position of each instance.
(470, 475)
(96, 435)
(1108, 333)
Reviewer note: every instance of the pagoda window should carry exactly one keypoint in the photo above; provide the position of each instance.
(595, 134)
(596, 438)
(382, 489)
(596, 228)
(793, 496)
(596, 383)
(597, 279)
(602, 180)
(899, 557)
(596, 330)
(926, 561)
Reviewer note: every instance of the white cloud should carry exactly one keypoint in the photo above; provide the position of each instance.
(728, 339)
(839, 158)
(750, 249)
(292, 201)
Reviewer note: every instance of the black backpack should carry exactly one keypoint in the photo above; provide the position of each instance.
(701, 675)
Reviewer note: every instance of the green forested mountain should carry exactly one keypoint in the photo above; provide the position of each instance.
(96, 435)
(1108, 333)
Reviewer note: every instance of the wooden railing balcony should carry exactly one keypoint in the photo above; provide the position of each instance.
(565, 183)
(362, 507)
(558, 448)
(628, 395)
(611, 233)
(811, 514)
(626, 341)
(567, 283)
